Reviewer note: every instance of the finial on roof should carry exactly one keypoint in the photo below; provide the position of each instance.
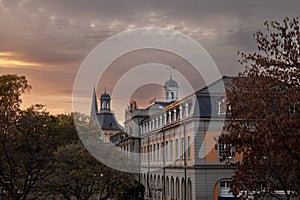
(171, 70)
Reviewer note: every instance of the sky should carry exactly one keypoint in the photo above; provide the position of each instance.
(47, 40)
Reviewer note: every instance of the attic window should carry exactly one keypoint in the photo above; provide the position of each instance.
(222, 106)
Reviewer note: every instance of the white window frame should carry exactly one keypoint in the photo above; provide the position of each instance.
(221, 151)
(189, 147)
(222, 106)
(176, 148)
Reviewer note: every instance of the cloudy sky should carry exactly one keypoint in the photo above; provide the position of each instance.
(47, 40)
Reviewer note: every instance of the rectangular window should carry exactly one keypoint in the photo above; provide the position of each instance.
(176, 148)
(143, 153)
(150, 152)
(183, 148)
(157, 151)
(222, 106)
(225, 151)
(189, 147)
(162, 151)
(147, 154)
(167, 152)
(225, 184)
(186, 109)
(171, 150)
(154, 152)
(294, 109)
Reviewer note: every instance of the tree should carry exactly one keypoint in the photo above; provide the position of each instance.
(78, 174)
(32, 143)
(11, 89)
(28, 139)
(263, 123)
(41, 155)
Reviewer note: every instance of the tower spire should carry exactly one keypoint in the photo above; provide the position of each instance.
(94, 108)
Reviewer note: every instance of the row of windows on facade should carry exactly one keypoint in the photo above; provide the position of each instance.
(175, 114)
(168, 116)
(127, 147)
(156, 152)
(178, 192)
(223, 105)
(173, 188)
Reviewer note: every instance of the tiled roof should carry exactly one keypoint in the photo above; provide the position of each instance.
(108, 121)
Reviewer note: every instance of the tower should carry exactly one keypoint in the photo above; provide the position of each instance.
(105, 118)
(105, 102)
(171, 89)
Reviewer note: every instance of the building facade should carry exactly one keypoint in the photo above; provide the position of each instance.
(180, 158)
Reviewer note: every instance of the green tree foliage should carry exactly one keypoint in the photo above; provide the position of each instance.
(11, 89)
(27, 141)
(79, 175)
(41, 156)
(264, 115)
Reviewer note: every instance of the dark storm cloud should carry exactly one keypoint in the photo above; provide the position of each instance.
(65, 20)
(59, 33)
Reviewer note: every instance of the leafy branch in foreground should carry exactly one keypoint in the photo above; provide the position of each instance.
(264, 122)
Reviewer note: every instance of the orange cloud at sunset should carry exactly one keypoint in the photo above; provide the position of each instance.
(8, 59)
(7, 53)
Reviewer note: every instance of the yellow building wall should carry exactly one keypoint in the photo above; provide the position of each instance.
(210, 147)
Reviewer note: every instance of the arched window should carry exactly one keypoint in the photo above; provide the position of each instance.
(224, 188)
(177, 189)
(182, 189)
(172, 188)
(158, 188)
(189, 190)
(167, 187)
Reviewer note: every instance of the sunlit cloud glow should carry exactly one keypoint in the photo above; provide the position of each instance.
(46, 41)
(8, 59)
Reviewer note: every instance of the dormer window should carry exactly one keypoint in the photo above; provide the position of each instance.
(186, 109)
(180, 112)
(222, 106)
